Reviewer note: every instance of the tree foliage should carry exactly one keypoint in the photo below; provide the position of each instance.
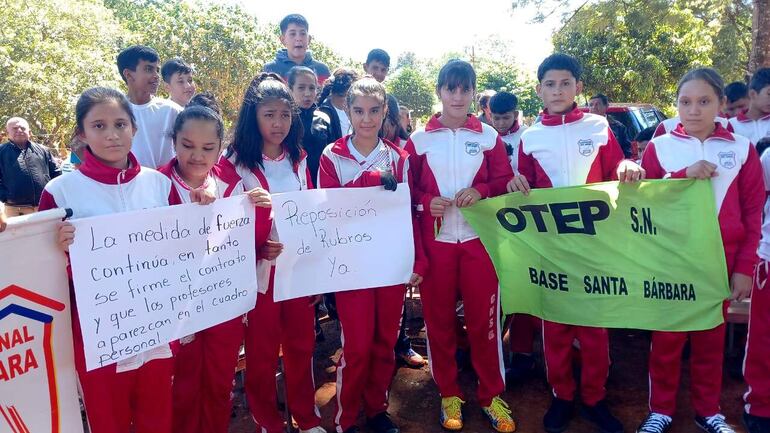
(413, 89)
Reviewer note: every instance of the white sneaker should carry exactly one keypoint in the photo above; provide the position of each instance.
(317, 429)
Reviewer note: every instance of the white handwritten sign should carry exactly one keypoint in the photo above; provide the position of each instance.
(145, 278)
(342, 239)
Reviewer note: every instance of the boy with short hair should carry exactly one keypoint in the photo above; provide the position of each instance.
(377, 64)
(155, 117)
(296, 40)
(505, 118)
(754, 124)
(566, 148)
(737, 94)
(178, 81)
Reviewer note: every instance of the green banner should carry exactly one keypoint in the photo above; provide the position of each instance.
(646, 255)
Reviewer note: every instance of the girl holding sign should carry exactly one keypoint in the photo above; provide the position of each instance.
(700, 148)
(456, 161)
(266, 152)
(135, 391)
(369, 317)
(206, 360)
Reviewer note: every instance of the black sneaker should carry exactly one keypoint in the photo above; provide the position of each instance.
(381, 423)
(600, 415)
(714, 424)
(558, 416)
(655, 423)
(756, 424)
(522, 367)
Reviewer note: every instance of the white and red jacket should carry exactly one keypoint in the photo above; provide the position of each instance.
(738, 186)
(669, 125)
(338, 168)
(512, 140)
(222, 182)
(96, 189)
(265, 226)
(754, 130)
(569, 149)
(444, 161)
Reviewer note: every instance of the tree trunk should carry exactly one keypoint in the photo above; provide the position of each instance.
(760, 36)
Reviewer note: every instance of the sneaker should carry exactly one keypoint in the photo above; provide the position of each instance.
(316, 429)
(756, 424)
(381, 423)
(655, 423)
(451, 413)
(522, 366)
(499, 415)
(714, 424)
(600, 415)
(412, 358)
(557, 417)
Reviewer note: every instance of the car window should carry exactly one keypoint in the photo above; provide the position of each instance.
(627, 119)
(651, 117)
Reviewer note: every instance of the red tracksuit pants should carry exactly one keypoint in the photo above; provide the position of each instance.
(756, 366)
(203, 379)
(463, 271)
(558, 348)
(286, 327)
(370, 321)
(522, 332)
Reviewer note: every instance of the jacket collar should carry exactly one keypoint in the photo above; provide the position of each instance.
(720, 132)
(573, 115)
(515, 127)
(742, 117)
(472, 123)
(102, 173)
(340, 148)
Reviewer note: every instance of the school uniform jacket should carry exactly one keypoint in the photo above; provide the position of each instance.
(340, 169)
(754, 130)
(444, 161)
(221, 182)
(571, 149)
(512, 140)
(669, 125)
(738, 187)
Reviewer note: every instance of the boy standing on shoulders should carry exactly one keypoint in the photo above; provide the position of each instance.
(296, 39)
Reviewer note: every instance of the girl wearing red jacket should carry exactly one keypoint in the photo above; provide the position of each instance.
(369, 317)
(702, 148)
(205, 361)
(266, 152)
(456, 161)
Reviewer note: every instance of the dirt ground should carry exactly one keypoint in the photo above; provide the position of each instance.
(414, 399)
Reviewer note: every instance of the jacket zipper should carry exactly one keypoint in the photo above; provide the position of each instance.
(120, 190)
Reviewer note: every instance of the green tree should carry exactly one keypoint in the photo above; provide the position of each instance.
(412, 89)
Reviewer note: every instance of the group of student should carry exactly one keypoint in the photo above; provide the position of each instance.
(283, 141)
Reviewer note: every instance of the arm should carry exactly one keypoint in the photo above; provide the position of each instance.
(611, 155)
(752, 198)
(659, 130)
(416, 163)
(53, 169)
(653, 168)
(499, 171)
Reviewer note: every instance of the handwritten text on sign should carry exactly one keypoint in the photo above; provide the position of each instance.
(148, 277)
(342, 239)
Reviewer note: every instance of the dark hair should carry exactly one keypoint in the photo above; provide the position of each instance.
(484, 97)
(131, 56)
(99, 95)
(645, 134)
(299, 70)
(339, 83)
(378, 55)
(205, 99)
(709, 75)
(247, 141)
(560, 62)
(293, 19)
(760, 80)
(199, 112)
(367, 86)
(456, 73)
(762, 145)
(173, 66)
(393, 117)
(601, 96)
(736, 90)
(503, 102)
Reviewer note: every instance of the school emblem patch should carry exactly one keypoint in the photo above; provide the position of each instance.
(586, 147)
(727, 159)
(472, 148)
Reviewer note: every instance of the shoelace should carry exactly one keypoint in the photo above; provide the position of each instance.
(499, 408)
(453, 408)
(717, 422)
(655, 423)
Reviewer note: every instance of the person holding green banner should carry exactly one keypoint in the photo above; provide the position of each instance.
(567, 148)
(703, 149)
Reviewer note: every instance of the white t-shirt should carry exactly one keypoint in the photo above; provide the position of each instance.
(344, 121)
(152, 143)
(377, 160)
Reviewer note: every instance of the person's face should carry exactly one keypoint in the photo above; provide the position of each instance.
(145, 78)
(18, 131)
(504, 121)
(403, 117)
(366, 114)
(455, 103)
(274, 121)
(376, 69)
(737, 107)
(197, 147)
(761, 99)
(698, 105)
(296, 40)
(181, 88)
(108, 131)
(596, 106)
(558, 90)
(305, 90)
(641, 145)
